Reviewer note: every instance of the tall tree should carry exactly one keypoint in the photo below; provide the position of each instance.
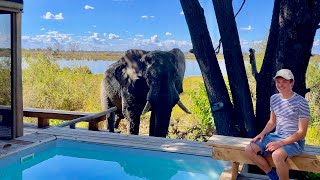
(237, 76)
(291, 36)
(203, 49)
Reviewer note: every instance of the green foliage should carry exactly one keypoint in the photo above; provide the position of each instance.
(201, 108)
(47, 86)
(313, 135)
(5, 81)
(310, 176)
(313, 82)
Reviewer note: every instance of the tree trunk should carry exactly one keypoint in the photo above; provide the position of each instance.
(238, 80)
(203, 49)
(298, 25)
(290, 41)
(265, 85)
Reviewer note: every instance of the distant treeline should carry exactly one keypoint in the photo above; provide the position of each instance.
(5, 52)
(106, 55)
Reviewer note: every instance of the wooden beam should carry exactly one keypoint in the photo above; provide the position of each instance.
(88, 118)
(10, 6)
(302, 163)
(53, 114)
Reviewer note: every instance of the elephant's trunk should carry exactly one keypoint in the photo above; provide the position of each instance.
(162, 120)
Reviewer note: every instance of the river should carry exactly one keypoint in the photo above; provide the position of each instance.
(99, 66)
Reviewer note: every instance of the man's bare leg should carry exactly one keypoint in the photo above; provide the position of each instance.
(279, 156)
(251, 151)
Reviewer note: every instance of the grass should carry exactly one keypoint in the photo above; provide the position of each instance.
(313, 135)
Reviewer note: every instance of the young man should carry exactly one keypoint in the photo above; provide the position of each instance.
(290, 115)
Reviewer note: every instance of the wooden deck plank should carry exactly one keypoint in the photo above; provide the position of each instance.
(86, 133)
(152, 143)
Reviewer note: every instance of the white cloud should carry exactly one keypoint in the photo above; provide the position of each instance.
(113, 36)
(42, 29)
(139, 35)
(182, 13)
(94, 26)
(249, 28)
(147, 17)
(87, 7)
(168, 34)
(316, 42)
(25, 37)
(100, 42)
(154, 38)
(49, 15)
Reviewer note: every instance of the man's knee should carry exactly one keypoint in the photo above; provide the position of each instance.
(279, 156)
(252, 149)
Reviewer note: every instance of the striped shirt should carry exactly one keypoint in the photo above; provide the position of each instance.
(288, 112)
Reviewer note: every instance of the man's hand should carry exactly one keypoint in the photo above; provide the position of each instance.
(259, 136)
(272, 146)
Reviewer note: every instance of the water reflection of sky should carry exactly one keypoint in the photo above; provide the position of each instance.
(5, 31)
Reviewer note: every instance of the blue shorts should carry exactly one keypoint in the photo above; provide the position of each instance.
(292, 149)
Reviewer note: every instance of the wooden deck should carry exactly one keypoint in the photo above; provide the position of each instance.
(34, 136)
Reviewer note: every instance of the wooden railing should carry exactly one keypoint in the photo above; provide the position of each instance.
(44, 116)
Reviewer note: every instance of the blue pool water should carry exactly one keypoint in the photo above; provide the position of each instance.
(65, 160)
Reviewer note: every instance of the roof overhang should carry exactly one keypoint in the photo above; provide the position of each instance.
(11, 5)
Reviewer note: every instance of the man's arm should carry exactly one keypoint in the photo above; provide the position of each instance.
(271, 124)
(300, 134)
(268, 128)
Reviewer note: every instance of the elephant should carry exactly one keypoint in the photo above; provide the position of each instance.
(143, 81)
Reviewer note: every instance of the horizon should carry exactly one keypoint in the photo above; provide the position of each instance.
(118, 25)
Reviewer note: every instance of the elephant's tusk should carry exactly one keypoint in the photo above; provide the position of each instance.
(183, 107)
(146, 107)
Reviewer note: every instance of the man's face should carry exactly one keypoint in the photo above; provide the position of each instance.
(284, 85)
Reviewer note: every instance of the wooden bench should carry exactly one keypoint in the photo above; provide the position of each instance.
(231, 149)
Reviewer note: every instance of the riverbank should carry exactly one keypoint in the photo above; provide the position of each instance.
(114, 55)
(90, 55)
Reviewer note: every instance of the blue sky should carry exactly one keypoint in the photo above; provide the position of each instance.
(118, 25)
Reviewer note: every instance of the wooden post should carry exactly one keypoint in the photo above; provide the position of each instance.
(94, 125)
(111, 121)
(235, 168)
(43, 123)
(16, 79)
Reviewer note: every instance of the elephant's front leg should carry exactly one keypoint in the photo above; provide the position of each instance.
(133, 123)
(152, 124)
(132, 109)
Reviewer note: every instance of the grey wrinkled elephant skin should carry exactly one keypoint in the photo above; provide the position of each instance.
(144, 77)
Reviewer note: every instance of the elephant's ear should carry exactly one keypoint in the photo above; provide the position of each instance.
(132, 59)
(180, 63)
(119, 74)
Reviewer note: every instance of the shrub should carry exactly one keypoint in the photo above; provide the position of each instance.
(5, 81)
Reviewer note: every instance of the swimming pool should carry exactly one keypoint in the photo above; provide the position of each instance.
(69, 159)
